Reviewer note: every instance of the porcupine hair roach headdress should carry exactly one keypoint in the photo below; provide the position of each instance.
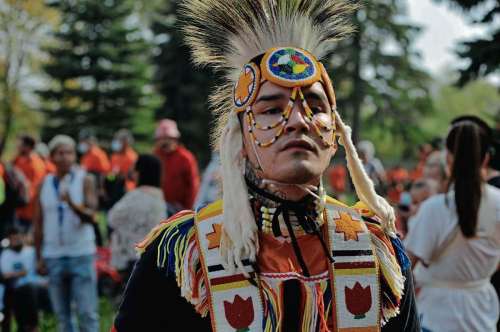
(226, 35)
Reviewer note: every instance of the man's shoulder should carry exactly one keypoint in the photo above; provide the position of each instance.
(179, 226)
(180, 223)
(391, 256)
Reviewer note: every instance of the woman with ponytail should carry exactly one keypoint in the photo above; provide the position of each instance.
(456, 238)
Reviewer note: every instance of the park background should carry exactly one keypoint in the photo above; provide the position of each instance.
(409, 69)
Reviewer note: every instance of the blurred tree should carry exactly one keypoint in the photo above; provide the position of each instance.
(479, 98)
(23, 24)
(100, 71)
(375, 76)
(184, 87)
(483, 54)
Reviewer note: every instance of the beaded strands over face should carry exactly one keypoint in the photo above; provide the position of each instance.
(253, 125)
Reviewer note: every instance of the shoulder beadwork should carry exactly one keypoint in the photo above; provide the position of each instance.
(178, 255)
(392, 261)
(172, 222)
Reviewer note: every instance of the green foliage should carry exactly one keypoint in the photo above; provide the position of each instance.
(185, 88)
(99, 71)
(479, 98)
(376, 79)
(23, 24)
(482, 53)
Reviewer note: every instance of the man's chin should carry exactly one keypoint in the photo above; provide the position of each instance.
(299, 174)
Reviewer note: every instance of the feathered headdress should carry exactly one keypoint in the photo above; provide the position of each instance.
(226, 35)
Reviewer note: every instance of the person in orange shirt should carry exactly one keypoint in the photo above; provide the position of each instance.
(123, 157)
(93, 158)
(337, 176)
(34, 170)
(43, 152)
(398, 177)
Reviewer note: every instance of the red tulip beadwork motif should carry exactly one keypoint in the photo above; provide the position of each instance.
(358, 300)
(240, 313)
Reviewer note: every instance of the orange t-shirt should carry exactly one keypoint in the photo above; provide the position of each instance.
(50, 167)
(96, 161)
(122, 163)
(337, 177)
(34, 169)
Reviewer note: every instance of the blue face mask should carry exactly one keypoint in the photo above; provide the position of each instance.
(116, 145)
(83, 147)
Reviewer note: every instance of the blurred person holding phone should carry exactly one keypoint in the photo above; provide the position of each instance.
(65, 238)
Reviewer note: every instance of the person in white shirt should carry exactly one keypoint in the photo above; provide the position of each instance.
(18, 269)
(456, 238)
(65, 238)
(136, 213)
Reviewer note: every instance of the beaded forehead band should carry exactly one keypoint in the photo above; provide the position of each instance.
(288, 67)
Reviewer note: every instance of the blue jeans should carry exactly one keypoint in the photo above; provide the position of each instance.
(73, 284)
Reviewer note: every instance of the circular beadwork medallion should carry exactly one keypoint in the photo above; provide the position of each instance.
(247, 87)
(290, 67)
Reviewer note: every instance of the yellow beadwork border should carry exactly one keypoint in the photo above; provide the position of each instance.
(269, 76)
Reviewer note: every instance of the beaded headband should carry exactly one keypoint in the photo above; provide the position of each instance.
(289, 67)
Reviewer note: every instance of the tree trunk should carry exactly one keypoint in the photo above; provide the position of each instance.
(8, 111)
(357, 93)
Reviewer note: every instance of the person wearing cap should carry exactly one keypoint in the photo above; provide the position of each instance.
(65, 239)
(93, 158)
(123, 157)
(34, 170)
(276, 253)
(181, 180)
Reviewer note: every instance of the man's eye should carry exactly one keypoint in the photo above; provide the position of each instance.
(271, 111)
(316, 109)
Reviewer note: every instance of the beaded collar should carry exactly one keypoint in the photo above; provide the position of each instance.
(270, 211)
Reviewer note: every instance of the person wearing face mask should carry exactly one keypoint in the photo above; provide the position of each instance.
(181, 180)
(93, 159)
(119, 180)
(276, 253)
(123, 157)
(18, 269)
(34, 170)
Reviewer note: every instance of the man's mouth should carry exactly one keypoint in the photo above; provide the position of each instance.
(299, 144)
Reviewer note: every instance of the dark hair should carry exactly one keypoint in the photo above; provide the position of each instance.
(13, 230)
(437, 143)
(468, 140)
(149, 169)
(495, 154)
(28, 141)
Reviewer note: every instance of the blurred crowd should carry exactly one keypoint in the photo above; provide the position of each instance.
(70, 213)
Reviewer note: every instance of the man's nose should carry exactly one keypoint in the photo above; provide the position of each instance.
(298, 120)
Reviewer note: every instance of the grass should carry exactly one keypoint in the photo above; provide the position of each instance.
(48, 322)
